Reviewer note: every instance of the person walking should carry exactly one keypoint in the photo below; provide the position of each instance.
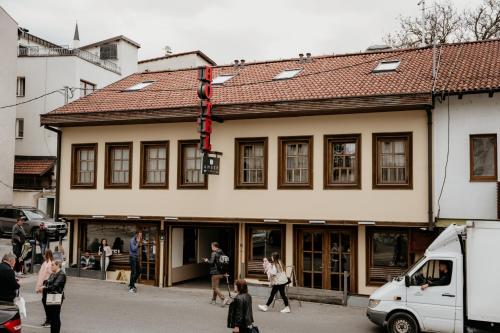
(55, 285)
(135, 243)
(8, 281)
(106, 249)
(216, 273)
(42, 238)
(18, 239)
(43, 275)
(278, 283)
(240, 314)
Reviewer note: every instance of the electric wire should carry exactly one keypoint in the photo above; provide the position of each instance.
(30, 100)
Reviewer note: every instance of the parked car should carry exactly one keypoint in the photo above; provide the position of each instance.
(33, 216)
(10, 320)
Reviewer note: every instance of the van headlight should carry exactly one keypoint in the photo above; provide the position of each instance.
(372, 303)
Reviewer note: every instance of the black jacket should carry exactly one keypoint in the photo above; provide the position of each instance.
(8, 283)
(55, 283)
(214, 262)
(240, 311)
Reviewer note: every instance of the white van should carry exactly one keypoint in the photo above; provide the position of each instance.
(455, 287)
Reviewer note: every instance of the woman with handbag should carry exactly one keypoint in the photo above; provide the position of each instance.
(279, 280)
(43, 275)
(53, 290)
(240, 315)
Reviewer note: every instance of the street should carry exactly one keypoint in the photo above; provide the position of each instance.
(97, 306)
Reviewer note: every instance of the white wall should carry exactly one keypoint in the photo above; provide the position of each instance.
(127, 56)
(173, 63)
(43, 75)
(461, 198)
(177, 247)
(8, 57)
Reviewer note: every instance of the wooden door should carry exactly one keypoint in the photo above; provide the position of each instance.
(149, 256)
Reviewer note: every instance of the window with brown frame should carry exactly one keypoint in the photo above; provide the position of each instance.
(342, 166)
(392, 161)
(295, 162)
(250, 163)
(261, 242)
(189, 172)
(118, 165)
(154, 164)
(483, 157)
(388, 254)
(83, 165)
(86, 88)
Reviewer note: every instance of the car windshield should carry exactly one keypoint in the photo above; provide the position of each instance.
(402, 276)
(35, 214)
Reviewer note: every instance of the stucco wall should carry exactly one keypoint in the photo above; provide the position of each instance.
(8, 57)
(171, 63)
(222, 200)
(461, 198)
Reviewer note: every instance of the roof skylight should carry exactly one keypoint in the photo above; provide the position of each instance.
(387, 66)
(139, 86)
(287, 74)
(223, 78)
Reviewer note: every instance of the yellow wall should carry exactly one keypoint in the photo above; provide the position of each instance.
(222, 200)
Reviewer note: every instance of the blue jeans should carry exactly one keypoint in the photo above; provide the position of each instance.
(134, 272)
(43, 247)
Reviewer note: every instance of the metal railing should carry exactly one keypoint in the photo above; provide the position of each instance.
(35, 51)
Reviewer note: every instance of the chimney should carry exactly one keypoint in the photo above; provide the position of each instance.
(308, 57)
(76, 37)
(236, 63)
(242, 63)
(301, 58)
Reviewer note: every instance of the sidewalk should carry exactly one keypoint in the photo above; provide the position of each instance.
(98, 306)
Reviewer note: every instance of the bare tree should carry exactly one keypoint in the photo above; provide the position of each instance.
(443, 24)
(484, 22)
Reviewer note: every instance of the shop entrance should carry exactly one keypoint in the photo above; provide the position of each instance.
(324, 255)
(191, 244)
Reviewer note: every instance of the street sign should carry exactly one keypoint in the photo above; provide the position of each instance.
(210, 164)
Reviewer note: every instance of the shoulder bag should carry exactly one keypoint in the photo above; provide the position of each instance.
(54, 299)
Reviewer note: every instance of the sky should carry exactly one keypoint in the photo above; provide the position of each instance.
(223, 29)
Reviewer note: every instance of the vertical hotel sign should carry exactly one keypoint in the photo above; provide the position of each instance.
(211, 159)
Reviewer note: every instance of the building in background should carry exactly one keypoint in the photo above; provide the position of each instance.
(173, 61)
(8, 66)
(60, 74)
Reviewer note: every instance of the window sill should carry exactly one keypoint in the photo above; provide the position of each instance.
(295, 187)
(342, 187)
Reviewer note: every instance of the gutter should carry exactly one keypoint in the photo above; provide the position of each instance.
(58, 168)
(430, 189)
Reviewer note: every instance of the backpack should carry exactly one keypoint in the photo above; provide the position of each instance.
(223, 263)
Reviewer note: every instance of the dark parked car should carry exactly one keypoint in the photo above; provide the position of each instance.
(33, 216)
(10, 320)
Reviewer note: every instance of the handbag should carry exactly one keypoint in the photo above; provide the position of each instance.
(253, 329)
(54, 299)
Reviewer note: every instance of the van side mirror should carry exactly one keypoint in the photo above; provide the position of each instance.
(407, 281)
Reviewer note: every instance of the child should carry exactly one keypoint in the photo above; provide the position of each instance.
(267, 268)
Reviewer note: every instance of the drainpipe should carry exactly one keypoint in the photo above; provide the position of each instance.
(429, 169)
(58, 168)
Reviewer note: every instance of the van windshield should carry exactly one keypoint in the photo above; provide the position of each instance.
(402, 276)
(35, 214)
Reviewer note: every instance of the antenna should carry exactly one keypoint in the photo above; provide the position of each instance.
(422, 3)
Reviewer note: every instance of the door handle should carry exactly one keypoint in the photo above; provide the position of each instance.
(448, 295)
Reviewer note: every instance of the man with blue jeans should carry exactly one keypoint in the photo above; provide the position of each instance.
(134, 257)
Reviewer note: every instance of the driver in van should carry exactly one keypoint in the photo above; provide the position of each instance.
(444, 277)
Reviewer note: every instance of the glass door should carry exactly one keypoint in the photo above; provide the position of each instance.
(148, 257)
(312, 259)
(340, 259)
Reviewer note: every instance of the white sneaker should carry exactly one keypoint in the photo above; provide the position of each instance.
(286, 310)
(263, 308)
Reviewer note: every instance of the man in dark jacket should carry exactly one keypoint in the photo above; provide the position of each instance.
(216, 273)
(240, 315)
(8, 282)
(18, 238)
(135, 243)
(42, 237)
(444, 276)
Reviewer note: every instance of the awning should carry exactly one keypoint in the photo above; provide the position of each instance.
(33, 167)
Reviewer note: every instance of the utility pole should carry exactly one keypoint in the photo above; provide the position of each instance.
(422, 3)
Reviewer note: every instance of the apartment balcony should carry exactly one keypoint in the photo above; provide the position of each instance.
(35, 51)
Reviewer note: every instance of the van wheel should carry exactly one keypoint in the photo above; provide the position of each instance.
(402, 323)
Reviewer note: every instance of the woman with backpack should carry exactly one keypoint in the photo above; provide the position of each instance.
(216, 273)
(278, 280)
